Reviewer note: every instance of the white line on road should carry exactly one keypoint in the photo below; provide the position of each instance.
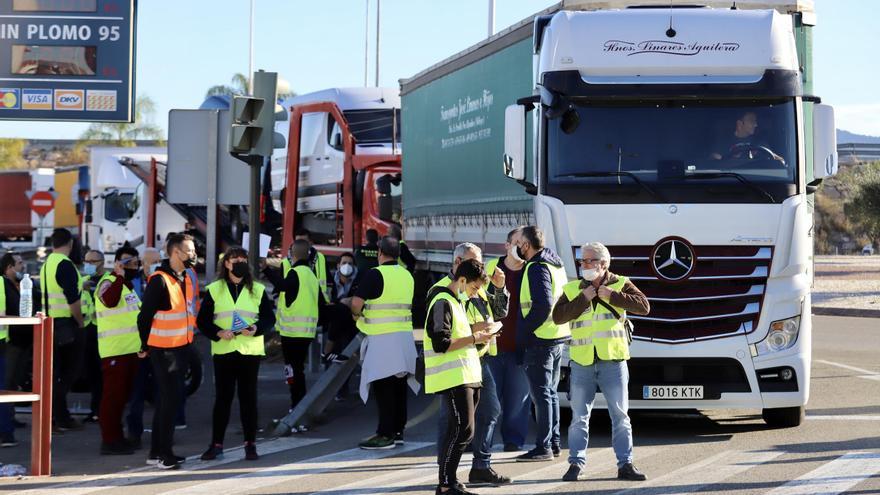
(293, 471)
(845, 417)
(146, 473)
(834, 477)
(694, 477)
(867, 374)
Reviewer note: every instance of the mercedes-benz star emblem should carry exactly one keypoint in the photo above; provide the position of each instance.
(673, 259)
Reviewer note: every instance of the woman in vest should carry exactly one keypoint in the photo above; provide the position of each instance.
(236, 313)
(452, 366)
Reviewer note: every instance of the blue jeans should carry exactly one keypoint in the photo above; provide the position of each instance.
(7, 427)
(486, 418)
(542, 369)
(512, 389)
(611, 377)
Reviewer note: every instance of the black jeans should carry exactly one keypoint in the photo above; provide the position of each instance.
(66, 362)
(461, 404)
(93, 367)
(390, 395)
(296, 351)
(231, 370)
(169, 366)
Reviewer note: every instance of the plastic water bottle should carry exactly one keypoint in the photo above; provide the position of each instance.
(26, 305)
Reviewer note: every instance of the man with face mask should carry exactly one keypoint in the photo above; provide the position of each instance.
(11, 355)
(165, 323)
(92, 271)
(599, 351)
(118, 345)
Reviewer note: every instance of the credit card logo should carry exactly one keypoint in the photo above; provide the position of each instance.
(69, 99)
(101, 100)
(9, 99)
(36, 99)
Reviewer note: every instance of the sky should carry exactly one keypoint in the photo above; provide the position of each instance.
(186, 46)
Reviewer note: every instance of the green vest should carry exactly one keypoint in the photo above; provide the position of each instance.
(392, 311)
(248, 308)
(548, 330)
(88, 303)
(117, 326)
(57, 306)
(445, 370)
(474, 315)
(4, 329)
(300, 319)
(596, 331)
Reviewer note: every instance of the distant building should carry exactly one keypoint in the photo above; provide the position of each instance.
(854, 153)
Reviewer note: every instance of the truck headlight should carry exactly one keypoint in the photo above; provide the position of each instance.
(783, 334)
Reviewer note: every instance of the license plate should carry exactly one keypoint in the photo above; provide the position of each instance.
(672, 392)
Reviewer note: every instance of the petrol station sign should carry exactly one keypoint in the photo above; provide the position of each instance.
(67, 60)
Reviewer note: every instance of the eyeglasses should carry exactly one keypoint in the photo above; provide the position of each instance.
(130, 262)
(590, 261)
(94, 261)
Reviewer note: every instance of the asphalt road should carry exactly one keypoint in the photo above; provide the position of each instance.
(836, 450)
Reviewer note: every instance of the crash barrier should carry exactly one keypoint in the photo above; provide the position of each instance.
(41, 396)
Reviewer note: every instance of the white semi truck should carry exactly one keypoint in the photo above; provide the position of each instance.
(688, 140)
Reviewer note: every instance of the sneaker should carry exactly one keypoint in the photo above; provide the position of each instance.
(398, 439)
(487, 476)
(630, 473)
(68, 424)
(250, 452)
(332, 357)
(153, 460)
(377, 442)
(116, 448)
(168, 464)
(557, 450)
(456, 489)
(301, 428)
(180, 427)
(214, 451)
(512, 447)
(91, 418)
(535, 455)
(573, 473)
(178, 459)
(7, 440)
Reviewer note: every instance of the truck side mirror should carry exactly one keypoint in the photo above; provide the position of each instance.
(824, 144)
(515, 142)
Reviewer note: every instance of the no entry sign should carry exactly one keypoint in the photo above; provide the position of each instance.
(42, 202)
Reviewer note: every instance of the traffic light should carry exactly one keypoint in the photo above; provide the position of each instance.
(246, 126)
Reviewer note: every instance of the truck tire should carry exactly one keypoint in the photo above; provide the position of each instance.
(784, 417)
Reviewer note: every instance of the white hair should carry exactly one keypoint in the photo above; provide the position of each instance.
(600, 250)
(464, 248)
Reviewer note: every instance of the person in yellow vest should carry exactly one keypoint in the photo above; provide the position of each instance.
(119, 346)
(452, 365)
(382, 305)
(92, 270)
(539, 340)
(487, 305)
(236, 314)
(62, 288)
(165, 324)
(317, 262)
(297, 317)
(598, 352)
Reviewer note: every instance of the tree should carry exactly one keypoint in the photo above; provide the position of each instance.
(12, 153)
(864, 208)
(125, 133)
(239, 86)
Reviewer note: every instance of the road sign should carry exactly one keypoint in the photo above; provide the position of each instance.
(42, 202)
(69, 60)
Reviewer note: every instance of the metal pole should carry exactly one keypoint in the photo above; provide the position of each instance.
(367, 44)
(211, 206)
(491, 18)
(251, 52)
(256, 162)
(378, 2)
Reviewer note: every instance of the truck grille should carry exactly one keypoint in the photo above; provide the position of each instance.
(722, 296)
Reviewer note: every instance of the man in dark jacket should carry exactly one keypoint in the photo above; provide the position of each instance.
(539, 340)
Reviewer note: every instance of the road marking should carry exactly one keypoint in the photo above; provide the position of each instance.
(293, 471)
(867, 374)
(834, 477)
(845, 417)
(193, 463)
(695, 477)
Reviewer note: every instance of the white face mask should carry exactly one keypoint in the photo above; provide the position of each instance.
(153, 268)
(346, 269)
(590, 275)
(512, 252)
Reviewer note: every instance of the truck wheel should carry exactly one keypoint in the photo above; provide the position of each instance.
(784, 417)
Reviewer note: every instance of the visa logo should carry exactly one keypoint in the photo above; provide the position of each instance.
(36, 99)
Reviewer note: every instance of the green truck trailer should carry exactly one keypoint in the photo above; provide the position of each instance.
(688, 140)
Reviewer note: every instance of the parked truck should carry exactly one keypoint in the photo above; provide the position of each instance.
(628, 126)
(339, 174)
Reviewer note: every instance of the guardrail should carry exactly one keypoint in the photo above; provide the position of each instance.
(41, 396)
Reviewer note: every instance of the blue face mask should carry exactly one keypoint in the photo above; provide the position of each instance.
(89, 269)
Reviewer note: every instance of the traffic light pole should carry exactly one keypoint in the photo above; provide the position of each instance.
(256, 164)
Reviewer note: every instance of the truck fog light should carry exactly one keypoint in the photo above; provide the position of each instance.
(786, 374)
(782, 335)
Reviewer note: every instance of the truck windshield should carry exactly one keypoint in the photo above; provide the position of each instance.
(673, 151)
(119, 207)
(373, 126)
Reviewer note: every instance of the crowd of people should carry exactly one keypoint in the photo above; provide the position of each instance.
(493, 343)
